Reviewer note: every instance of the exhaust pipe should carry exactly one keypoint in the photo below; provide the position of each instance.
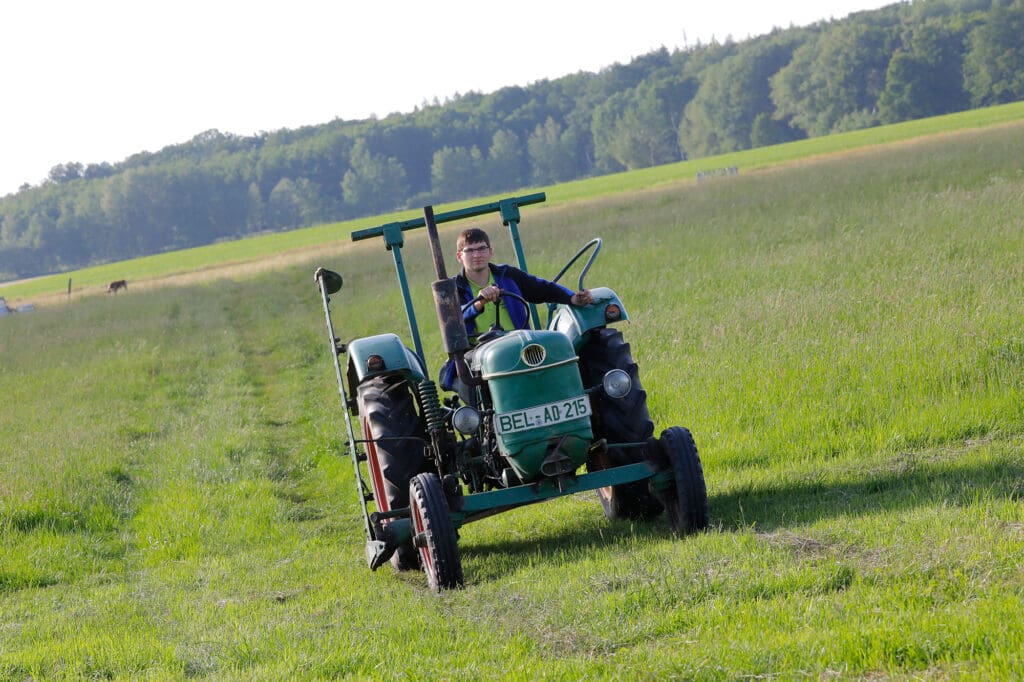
(446, 302)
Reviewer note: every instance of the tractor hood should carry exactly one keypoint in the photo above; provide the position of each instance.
(522, 351)
(541, 412)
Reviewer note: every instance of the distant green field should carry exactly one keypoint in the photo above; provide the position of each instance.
(255, 248)
(843, 336)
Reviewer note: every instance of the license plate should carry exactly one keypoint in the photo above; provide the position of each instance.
(542, 415)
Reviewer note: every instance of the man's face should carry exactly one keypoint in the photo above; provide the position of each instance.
(474, 256)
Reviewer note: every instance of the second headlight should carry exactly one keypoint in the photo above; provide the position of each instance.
(616, 383)
(466, 420)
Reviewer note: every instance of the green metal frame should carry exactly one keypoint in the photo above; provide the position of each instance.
(393, 240)
(324, 284)
(479, 505)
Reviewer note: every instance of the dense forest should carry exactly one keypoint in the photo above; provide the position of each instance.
(904, 61)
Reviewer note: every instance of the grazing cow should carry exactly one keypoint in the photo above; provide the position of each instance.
(117, 285)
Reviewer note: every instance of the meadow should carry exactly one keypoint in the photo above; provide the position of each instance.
(843, 334)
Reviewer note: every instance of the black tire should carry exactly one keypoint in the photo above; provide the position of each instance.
(434, 533)
(688, 508)
(387, 412)
(619, 421)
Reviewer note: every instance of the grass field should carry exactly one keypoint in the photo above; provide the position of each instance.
(843, 335)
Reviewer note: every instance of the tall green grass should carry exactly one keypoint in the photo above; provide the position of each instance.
(843, 336)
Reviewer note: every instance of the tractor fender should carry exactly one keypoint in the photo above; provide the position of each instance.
(575, 321)
(397, 359)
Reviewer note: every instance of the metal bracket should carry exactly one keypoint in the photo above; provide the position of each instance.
(509, 211)
(393, 235)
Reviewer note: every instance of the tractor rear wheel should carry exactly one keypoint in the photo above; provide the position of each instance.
(624, 420)
(688, 508)
(434, 534)
(394, 449)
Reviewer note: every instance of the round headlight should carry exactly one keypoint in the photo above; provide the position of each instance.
(466, 420)
(616, 383)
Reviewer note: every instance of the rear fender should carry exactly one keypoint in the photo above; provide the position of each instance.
(398, 359)
(575, 321)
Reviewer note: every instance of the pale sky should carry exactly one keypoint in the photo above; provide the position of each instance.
(99, 80)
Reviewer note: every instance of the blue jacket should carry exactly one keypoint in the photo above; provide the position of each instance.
(508, 278)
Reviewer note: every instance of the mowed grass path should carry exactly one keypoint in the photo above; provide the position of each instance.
(844, 337)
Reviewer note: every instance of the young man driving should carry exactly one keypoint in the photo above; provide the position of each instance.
(480, 277)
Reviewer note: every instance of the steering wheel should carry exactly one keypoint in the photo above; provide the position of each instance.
(497, 316)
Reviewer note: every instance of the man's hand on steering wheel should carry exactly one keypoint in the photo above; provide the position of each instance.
(488, 294)
(483, 298)
(582, 297)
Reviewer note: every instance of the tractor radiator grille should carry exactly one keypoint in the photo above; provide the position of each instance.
(534, 354)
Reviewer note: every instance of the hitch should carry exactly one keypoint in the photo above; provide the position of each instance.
(388, 537)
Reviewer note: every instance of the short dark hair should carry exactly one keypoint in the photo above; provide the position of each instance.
(472, 235)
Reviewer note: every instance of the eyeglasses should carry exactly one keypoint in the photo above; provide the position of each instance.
(472, 251)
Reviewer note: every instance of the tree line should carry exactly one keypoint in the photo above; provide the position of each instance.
(901, 62)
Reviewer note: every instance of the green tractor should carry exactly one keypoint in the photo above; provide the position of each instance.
(552, 411)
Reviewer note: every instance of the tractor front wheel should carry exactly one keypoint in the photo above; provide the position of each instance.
(688, 508)
(434, 534)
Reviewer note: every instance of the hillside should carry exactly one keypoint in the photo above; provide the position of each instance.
(269, 251)
(903, 62)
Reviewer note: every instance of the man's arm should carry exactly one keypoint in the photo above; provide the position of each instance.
(537, 290)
